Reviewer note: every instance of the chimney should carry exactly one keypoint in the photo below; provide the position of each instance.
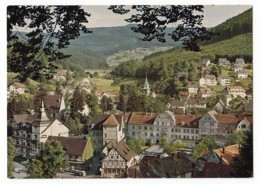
(223, 150)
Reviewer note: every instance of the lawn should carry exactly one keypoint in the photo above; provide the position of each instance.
(217, 89)
(104, 84)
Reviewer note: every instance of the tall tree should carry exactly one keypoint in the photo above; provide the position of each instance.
(151, 21)
(38, 98)
(11, 151)
(106, 104)
(49, 162)
(76, 103)
(52, 27)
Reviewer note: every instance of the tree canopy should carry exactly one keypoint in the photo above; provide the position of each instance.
(49, 162)
(152, 21)
(11, 154)
(51, 29)
(206, 143)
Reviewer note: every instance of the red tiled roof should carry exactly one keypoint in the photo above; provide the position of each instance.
(71, 146)
(18, 85)
(142, 118)
(226, 118)
(111, 121)
(187, 120)
(229, 153)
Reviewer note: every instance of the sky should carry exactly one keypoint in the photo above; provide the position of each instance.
(213, 15)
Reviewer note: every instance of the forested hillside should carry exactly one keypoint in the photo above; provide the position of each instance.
(237, 25)
(91, 50)
(238, 46)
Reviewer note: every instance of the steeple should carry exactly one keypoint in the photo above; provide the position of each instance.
(146, 86)
(43, 116)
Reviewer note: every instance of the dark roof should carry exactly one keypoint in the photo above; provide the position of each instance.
(190, 121)
(99, 119)
(21, 118)
(177, 103)
(52, 101)
(215, 170)
(71, 146)
(155, 167)
(142, 118)
(122, 149)
(193, 101)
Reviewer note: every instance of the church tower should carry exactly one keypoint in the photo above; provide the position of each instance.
(146, 86)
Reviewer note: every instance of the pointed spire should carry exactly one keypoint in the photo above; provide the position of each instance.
(43, 116)
(146, 85)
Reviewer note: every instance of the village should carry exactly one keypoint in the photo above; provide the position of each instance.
(168, 139)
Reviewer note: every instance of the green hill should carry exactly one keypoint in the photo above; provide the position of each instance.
(91, 50)
(237, 25)
(238, 46)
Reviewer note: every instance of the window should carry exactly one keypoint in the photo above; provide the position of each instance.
(133, 127)
(157, 134)
(184, 130)
(133, 133)
(157, 128)
(139, 128)
(188, 131)
(145, 133)
(192, 131)
(151, 134)
(172, 129)
(151, 128)
(105, 135)
(145, 127)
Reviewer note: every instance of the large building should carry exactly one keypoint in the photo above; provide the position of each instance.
(106, 128)
(30, 130)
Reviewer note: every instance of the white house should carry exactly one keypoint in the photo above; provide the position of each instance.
(61, 75)
(193, 89)
(223, 80)
(240, 61)
(224, 62)
(242, 74)
(208, 80)
(205, 92)
(17, 87)
(238, 67)
(236, 91)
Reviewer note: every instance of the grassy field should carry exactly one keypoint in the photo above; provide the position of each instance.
(104, 84)
(101, 73)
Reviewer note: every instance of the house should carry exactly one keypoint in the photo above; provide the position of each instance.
(217, 163)
(179, 166)
(17, 88)
(197, 103)
(235, 91)
(54, 105)
(219, 106)
(220, 126)
(205, 92)
(193, 89)
(204, 71)
(242, 74)
(118, 157)
(246, 123)
(224, 62)
(78, 150)
(204, 62)
(184, 95)
(240, 61)
(61, 75)
(30, 130)
(177, 106)
(238, 67)
(223, 80)
(106, 128)
(208, 80)
(150, 127)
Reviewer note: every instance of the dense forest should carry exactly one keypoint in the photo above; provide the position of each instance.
(240, 24)
(165, 67)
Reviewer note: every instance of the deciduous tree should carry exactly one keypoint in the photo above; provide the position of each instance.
(49, 162)
(51, 29)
